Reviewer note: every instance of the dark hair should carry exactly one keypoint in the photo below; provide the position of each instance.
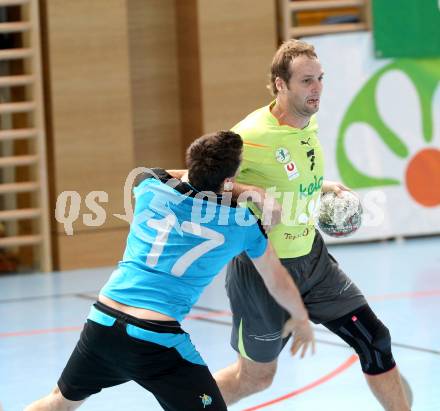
(212, 158)
(280, 66)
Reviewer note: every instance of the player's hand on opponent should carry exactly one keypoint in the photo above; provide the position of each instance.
(334, 186)
(271, 210)
(302, 334)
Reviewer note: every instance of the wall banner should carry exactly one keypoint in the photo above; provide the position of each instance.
(380, 129)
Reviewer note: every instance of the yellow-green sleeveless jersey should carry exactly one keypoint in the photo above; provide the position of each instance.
(290, 162)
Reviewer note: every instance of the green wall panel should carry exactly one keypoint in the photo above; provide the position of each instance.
(406, 28)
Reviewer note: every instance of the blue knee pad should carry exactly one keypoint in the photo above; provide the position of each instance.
(371, 340)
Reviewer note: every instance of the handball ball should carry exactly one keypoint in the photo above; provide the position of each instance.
(340, 216)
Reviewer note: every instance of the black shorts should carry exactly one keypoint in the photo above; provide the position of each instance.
(115, 348)
(258, 320)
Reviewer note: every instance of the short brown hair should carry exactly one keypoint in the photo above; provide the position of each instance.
(212, 158)
(282, 58)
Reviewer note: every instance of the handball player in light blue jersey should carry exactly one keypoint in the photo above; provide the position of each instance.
(182, 235)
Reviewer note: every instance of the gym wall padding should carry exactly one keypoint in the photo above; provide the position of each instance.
(132, 83)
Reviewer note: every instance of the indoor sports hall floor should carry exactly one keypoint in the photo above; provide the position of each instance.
(41, 317)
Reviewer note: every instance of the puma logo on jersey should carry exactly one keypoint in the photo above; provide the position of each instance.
(306, 142)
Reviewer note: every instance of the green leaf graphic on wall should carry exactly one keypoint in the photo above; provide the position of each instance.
(422, 175)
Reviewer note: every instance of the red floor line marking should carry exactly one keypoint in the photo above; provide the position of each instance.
(411, 294)
(210, 315)
(28, 333)
(344, 366)
(415, 294)
(41, 331)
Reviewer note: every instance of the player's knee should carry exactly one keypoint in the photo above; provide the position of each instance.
(382, 340)
(370, 339)
(59, 403)
(382, 359)
(257, 378)
(263, 382)
(374, 350)
(53, 401)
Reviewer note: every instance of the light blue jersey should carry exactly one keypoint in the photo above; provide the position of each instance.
(179, 241)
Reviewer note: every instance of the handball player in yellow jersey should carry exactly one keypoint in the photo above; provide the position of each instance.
(283, 159)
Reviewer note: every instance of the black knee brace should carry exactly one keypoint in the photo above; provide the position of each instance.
(371, 340)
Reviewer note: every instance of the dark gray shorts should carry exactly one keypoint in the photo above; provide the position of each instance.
(327, 292)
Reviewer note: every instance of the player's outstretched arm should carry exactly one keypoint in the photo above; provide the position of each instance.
(238, 189)
(283, 289)
(271, 210)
